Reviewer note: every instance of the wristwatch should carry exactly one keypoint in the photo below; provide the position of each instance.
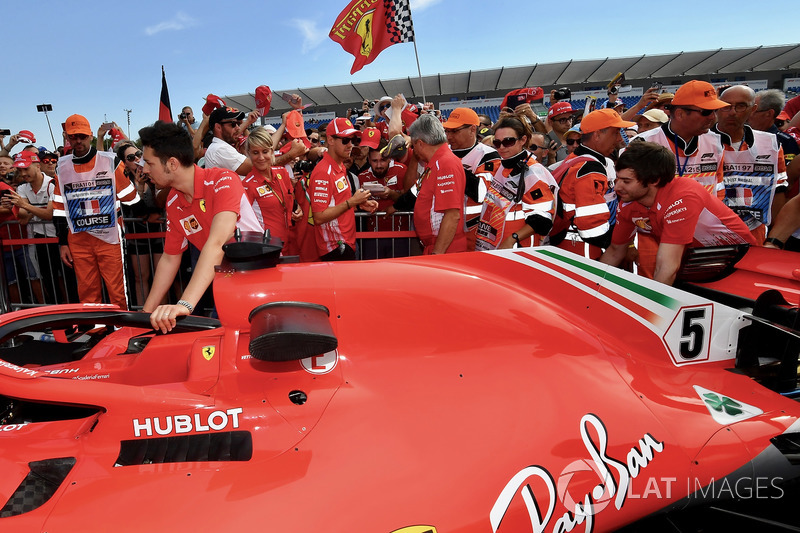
(515, 237)
(777, 242)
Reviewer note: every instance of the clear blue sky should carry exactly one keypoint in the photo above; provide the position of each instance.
(100, 58)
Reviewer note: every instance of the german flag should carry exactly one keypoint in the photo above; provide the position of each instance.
(164, 109)
(367, 27)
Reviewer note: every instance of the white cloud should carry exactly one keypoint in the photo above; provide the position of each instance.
(312, 35)
(421, 5)
(180, 22)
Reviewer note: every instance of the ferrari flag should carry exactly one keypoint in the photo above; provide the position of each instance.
(164, 110)
(366, 27)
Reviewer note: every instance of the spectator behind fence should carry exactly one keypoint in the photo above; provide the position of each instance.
(439, 209)
(224, 124)
(204, 207)
(753, 168)
(333, 199)
(519, 204)
(34, 208)
(559, 120)
(6, 168)
(19, 259)
(88, 187)
(144, 216)
(653, 200)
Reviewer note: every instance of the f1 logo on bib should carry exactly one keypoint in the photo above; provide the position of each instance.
(320, 364)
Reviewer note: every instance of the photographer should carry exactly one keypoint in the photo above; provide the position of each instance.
(187, 121)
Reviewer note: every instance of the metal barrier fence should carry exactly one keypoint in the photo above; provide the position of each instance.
(34, 275)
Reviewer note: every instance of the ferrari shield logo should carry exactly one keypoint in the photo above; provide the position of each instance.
(416, 529)
(208, 352)
(203, 205)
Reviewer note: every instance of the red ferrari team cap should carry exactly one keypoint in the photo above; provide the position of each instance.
(559, 108)
(603, 118)
(340, 127)
(371, 138)
(699, 94)
(263, 99)
(77, 125)
(27, 135)
(25, 158)
(212, 102)
(462, 116)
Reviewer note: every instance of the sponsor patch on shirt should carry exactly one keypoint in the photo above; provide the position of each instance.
(341, 183)
(191, 225)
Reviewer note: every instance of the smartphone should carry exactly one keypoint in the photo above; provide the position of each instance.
(657, 86)
(5, 132)
(108, 125)
(373, 187)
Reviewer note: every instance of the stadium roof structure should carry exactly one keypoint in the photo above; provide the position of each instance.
(698, 64)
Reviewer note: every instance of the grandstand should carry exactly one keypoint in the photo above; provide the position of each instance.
(760, 67)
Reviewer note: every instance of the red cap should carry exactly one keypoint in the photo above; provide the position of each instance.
(77, 125)
(559, 108)
(27, 135)
(263, 99)
(601, 119)
(520, 96)
(340, 127)
(699, 94)
(212, 102)
(371, 138)
(24, 159)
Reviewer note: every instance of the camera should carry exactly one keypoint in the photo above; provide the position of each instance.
(182, 116)
(563, 94)
(304, 167)
(371, 104)
(613, 90)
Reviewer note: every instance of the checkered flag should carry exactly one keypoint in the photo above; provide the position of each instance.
(398, 21)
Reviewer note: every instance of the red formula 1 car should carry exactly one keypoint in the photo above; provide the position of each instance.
(517, 391)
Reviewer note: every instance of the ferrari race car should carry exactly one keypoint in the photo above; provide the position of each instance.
(526, 390)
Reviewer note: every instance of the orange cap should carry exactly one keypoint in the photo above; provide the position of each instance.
(462, 116)
(294, 125)
(699, 94)
(77, 125)
(603, 118)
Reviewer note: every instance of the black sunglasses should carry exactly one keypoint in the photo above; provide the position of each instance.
(573, 141)
(132, 157)
(508, 142)
(77, 137)
(347, 140)
(535, 147)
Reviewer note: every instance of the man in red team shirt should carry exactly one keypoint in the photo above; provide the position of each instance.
(332, 199)
(204, 207)
(677, 211)
(439, 210)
